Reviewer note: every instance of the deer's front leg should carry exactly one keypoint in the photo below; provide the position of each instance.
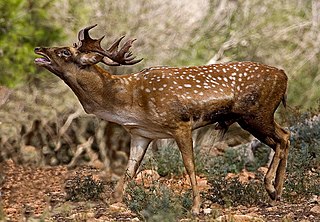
(183, 138)
(138, 148)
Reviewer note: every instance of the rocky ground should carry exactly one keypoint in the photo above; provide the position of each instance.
(39, 194)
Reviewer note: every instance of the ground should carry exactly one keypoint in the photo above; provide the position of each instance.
(39, 193)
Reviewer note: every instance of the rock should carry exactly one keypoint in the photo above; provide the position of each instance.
(207, 211)
(288, 217)
(243, 177)
(239, 218)
(53, 161)
(263, 170)
(118, 207)
(10, 210)
(314, 199)
(90, 215)
(272, 208)
(315, 209)
(147, 176)
(97, 164)
(30, 155)
(202, 182)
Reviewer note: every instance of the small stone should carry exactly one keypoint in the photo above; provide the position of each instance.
(90, 215)
(288, 217)
(239, 218)
(270, 209)
(315, 199)
(206, 204)
(263, 170)
(118, 207)
(147, 177)
(315, 209)
(207, 211)
(30, 154)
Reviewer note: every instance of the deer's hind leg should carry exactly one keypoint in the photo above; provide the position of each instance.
(281, 170)
(273, 135)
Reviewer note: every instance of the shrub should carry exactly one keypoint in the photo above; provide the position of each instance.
(233, 160)
(83, 188)
(304, 156)
(234, 193)
(158, 203)
(167, 161)
(305, 142)
(24, 25)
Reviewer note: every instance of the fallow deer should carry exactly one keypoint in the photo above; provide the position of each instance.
(170, 102)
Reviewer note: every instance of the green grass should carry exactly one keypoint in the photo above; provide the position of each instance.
(158, 202)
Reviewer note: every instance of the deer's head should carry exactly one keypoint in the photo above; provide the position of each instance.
(85, 53)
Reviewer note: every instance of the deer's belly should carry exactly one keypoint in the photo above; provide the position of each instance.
(152, 133)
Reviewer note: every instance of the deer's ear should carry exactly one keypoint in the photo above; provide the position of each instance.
(91, 58)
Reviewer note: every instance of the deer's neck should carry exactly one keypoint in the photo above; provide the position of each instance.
(98, 90)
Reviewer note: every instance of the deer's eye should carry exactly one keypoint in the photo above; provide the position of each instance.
(65, 53)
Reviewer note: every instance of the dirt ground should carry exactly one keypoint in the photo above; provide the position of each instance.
(38, 194)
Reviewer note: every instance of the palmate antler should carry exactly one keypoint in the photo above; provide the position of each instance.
(118, 57)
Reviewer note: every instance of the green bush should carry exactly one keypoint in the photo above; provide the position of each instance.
(305, 142)
(234, 193)
(232, 161)
(304, 156)
(83, 188)
(167, 161)
(157, 203)
(23, 26)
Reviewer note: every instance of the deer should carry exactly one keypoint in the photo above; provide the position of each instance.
(170, 102)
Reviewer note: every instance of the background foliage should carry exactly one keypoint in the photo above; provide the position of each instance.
(23, 25)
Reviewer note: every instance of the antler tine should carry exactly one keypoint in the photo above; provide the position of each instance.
(129, 61)
(84, 33)
(122, 56)
(124, 51)
(115, 45)
(109, 62)
(86, 43)
(133, 61)
(118, 57)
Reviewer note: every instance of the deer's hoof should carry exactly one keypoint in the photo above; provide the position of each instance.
(273, 195)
